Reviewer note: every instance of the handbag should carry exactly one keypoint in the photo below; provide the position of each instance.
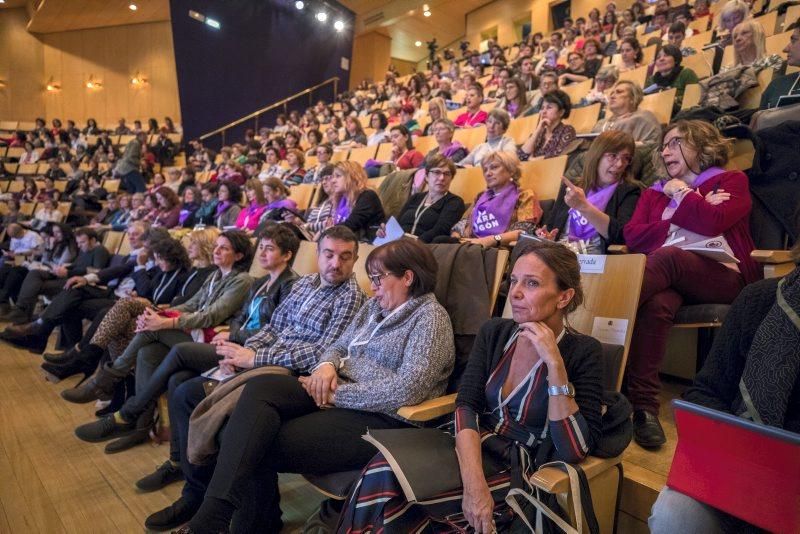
(581, 497)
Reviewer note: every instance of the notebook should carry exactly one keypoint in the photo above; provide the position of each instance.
(748, 470)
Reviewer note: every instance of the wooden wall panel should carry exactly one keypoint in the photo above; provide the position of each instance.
(21, 92)
(371, 57)
(112, 56)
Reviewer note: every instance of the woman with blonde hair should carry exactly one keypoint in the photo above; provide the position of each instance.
(503, 210)
(698, 201)
(733, 13)
(589, 215)
(354, 204)
(750, 45)
(437, 111)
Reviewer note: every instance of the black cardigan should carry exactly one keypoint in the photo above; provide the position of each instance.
(276, 294)
(365, 215)
(717, 383)
(583, 359)
(192, 284)
(620, 209)
(437, 220)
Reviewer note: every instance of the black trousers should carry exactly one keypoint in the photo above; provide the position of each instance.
(277, 428)
(11, 278)
(38, 283)
(70, 307)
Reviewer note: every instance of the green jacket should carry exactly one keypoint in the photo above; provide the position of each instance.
(687, 76)
(216, 302)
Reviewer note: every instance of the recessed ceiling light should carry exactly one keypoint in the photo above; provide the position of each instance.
(299, 4)
(322, 16)
(133, 7)
(213, 23)
(426, 13)
(418, 43)
(338, 25)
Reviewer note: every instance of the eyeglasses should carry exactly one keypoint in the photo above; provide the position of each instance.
(439, 172)
(614, 158)
(672, 144)
(376, 278)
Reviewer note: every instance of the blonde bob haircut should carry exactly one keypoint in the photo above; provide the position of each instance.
(206, 240)
(508, 160)
(355, 179)
(608, 142)
(635, 92)
(439, 104)
(712, 149)
(759, 40)
(731, 8)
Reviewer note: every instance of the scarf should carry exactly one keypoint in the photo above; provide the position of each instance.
(186, 211)
(579, 228)
(493, 211)
(222, 206)
(666, 81)
(772, 367)
(342, 211)
(702, 178)
(454, 147)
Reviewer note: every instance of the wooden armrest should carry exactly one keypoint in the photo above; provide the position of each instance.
(618, 249)
(430, 409)
(771, 256)
(554, 480)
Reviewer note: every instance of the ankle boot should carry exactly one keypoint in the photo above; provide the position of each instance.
(99, 387)
(64, 357)
(55, 372)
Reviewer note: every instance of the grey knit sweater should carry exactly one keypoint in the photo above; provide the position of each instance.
(408, 359)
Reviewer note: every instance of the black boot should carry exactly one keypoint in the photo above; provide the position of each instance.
(140, 434)
(31, 335)
(55, 373)
(64, 357)
(99, 387)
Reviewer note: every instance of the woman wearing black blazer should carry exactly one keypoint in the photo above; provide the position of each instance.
(434, 212)
(590, 215)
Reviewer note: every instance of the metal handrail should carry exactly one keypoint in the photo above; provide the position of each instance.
(284, 102)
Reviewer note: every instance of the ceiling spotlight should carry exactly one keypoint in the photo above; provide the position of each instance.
(417, 43)
(322, 16)
(299, 4)
(426, 13)
(213, 23)
(338, 25)
(132, 7)
(53, 86)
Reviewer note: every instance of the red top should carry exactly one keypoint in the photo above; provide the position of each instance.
(468, 121)
(410, 160)
(646, 232)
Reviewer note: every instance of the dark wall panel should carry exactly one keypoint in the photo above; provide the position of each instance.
(264, 51)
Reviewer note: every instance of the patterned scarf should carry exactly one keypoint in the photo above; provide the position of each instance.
(773, 361)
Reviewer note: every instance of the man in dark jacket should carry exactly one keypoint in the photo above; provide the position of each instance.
(86, 294)
(93, 255)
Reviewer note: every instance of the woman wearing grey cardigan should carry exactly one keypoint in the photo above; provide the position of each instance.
(398, 351)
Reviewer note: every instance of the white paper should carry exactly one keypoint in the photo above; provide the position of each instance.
(592, 263)
(609, 330)
(393, 232)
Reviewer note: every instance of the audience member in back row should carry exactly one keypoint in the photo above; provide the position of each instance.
(551, 136)
(432, 213)
(398, 351)
(669, 73)
(505, 401)
(590, 215)
(317, 217)
(503, 210)
(473, 115)
(229, 195)
(624, 114)
(496, 126)
(752, 371)
(220, 297)
(785, 85)
(699, 201)
(256, 204)
(443, 130)
(277, 247)
(319, 308)
(354, 204)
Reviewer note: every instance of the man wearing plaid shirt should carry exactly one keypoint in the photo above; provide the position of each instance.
(314, 315)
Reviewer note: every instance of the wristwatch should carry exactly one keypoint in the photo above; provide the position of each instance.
(498, 240)
(567, 389)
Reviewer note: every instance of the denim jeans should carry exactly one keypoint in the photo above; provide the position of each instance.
(675, 512)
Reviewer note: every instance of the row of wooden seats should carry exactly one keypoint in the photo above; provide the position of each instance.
(15, 186)
(29, 208)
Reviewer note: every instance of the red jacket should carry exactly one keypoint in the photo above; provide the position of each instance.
(646, 232)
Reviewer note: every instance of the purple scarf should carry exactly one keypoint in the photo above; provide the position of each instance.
(342, 211)
(700, 180)
(579, 228)
(222, 206)
(284, 203)
(454, 147)
(493, 211)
